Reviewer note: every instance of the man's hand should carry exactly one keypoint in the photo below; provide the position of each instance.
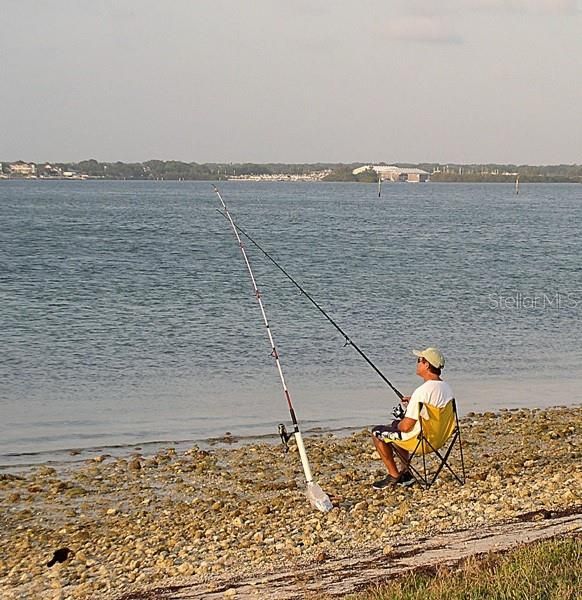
(405, 400)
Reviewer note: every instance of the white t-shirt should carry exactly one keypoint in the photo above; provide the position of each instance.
(435, 393)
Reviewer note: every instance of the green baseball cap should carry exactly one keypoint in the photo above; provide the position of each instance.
(433, 355)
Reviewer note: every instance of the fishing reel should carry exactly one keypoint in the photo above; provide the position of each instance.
(398, 411)
(285, 436)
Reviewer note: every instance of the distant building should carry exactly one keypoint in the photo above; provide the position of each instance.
(23, 169)
(414, 175)
(48, 170)
(393, 173)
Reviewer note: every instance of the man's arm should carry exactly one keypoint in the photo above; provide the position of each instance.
(406, 424)
(412, 413)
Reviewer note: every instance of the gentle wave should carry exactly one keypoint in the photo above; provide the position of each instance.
(127, 313)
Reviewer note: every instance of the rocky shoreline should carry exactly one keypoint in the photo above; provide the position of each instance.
(200, 514)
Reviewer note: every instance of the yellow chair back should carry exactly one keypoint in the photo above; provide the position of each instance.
(437, 426)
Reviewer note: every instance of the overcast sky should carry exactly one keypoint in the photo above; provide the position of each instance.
(292, 80)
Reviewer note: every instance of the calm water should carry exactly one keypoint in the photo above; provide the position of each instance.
(128, 316)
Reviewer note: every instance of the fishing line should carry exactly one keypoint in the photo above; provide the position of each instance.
(348, 340)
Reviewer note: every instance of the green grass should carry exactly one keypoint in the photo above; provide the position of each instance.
(541, 571)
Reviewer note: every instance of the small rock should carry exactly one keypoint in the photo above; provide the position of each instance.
(238, 522)
(361, 506)
(75, 491)
(46, 471)
(186, 569)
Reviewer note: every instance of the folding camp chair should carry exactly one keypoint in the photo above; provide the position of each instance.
(439, 432)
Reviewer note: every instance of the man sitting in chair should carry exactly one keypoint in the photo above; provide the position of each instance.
(435, 392)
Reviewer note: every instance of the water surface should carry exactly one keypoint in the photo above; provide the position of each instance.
(128, 316)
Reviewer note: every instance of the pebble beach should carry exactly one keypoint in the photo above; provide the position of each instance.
(137, 521)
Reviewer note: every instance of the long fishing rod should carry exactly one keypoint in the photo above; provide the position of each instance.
(349, 341)
(315, 494)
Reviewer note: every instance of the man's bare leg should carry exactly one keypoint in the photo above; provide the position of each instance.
(404, 456)
(387, 456)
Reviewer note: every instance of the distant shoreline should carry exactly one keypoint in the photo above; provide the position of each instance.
(172, 170)
(306, 179)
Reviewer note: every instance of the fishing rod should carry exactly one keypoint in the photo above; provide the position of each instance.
(349, 341)
(317, 497)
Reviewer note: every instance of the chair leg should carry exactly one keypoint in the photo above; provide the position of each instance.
(420, 478)
(444, 460)
(443, 463)
(460, 441)
(426, 483)
(462, 459)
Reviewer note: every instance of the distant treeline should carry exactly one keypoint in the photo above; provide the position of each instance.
(505, 173)
(474, 173)
(175, 170)
(344, 173)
